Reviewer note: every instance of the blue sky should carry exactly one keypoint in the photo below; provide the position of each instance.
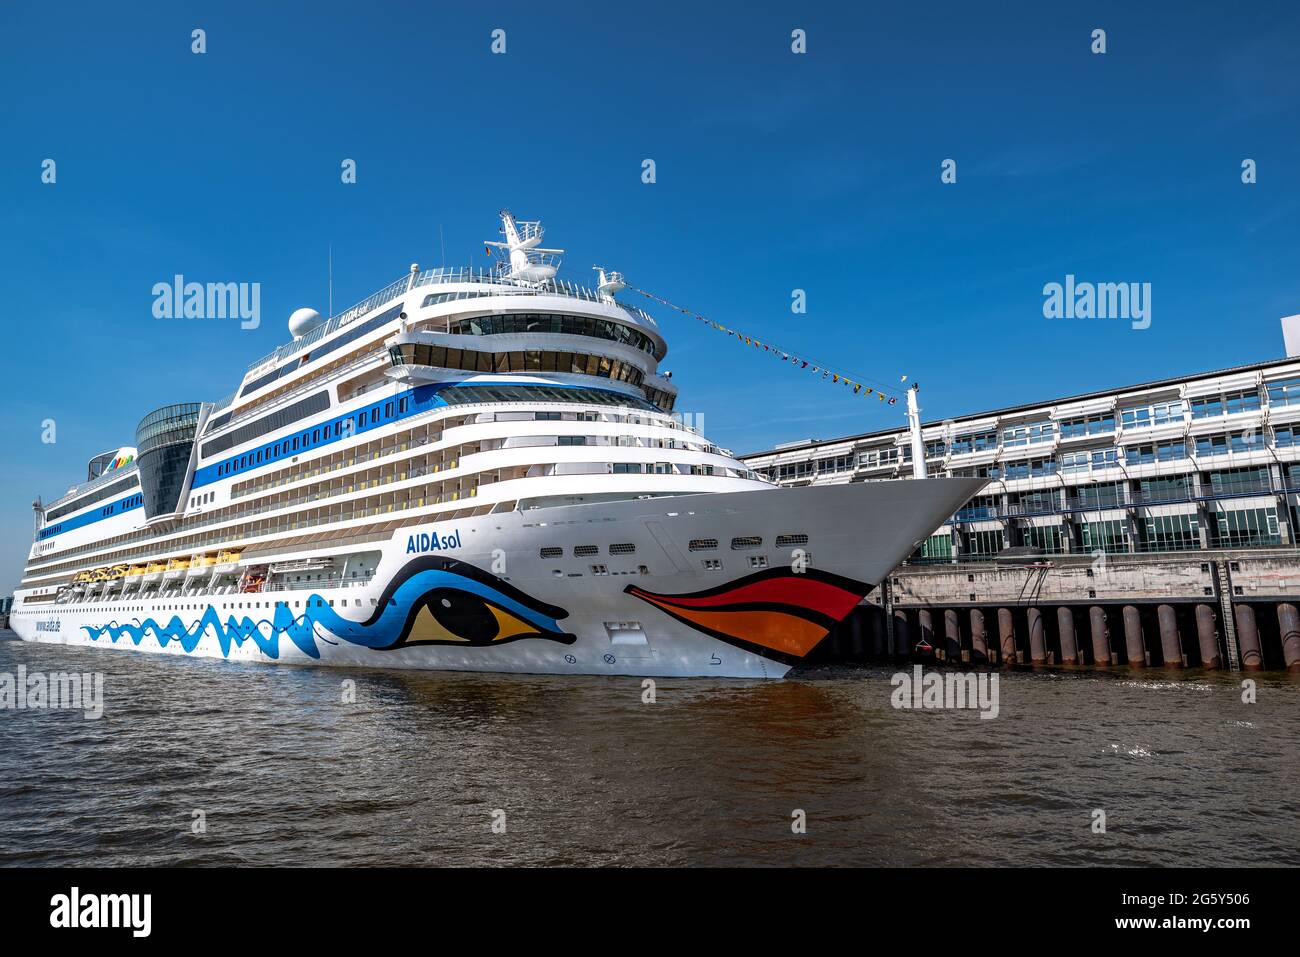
(775, 172)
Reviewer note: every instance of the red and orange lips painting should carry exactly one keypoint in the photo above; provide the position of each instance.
(777, 613)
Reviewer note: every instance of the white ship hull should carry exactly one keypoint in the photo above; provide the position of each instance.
(476, 594)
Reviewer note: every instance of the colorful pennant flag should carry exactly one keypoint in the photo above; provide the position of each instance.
(835, 377)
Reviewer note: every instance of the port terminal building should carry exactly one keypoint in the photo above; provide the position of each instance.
(1181, 493)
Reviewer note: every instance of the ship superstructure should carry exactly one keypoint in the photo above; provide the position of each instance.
(470, 469)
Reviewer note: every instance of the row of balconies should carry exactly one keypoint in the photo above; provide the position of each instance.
(1130, 498)
(1185, 424)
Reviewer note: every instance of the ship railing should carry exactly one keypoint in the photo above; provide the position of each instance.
(262, 407)
(94, 483)
(442, 276)
(222, 404)
(408, 503)
(369, 304)
(331, 582)
(356, 486)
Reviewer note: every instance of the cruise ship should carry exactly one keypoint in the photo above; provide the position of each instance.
(474, 470)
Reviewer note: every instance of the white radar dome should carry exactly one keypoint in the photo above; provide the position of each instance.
(303, 321)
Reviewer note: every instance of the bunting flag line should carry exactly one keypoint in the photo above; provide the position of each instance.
(796, 362)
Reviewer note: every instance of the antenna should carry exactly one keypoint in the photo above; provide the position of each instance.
(526, 261)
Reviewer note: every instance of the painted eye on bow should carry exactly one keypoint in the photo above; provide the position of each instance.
(443, 601)
(454, 615)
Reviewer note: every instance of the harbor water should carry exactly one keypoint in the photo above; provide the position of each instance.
(198, 762)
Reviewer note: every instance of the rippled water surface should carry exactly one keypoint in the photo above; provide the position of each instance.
(587, 774)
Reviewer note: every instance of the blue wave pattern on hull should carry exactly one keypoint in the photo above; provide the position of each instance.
(387, 628)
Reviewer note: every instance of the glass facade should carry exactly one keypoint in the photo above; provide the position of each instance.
(1245, 527)
(937, 547)
(527, 360)
(459, 395)
(983, 544)
(164, 440)
(1044, 538)
(112, 490)
(1170, 533)
(1108, 536)
(515, 322)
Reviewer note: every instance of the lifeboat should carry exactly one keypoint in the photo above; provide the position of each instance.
(227, 561)
(133, 574)
(176, 569)
(200, 565)
(254, 579)
(152, 572)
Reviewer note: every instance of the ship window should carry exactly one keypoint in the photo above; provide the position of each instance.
(703, 544)
(785, 541)
(551, 551)
(746, 541)
(388, 410)
(582, 551)
(572, 440)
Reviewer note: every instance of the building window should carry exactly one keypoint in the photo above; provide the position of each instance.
(1110, 495)
(1088, 425)
(1170, 533)
(1208, 445)
(937, 548)
(840, 463)
(1174, 489)
(1284, 392)
(1158, 413)
(1075, 462)
(1249, 526)
(980, 508)
(1029, 434)
(974, 442)
(1043, 538)
(1246, 400)
(983, 543)
(1108, 536)
(1240, 481)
